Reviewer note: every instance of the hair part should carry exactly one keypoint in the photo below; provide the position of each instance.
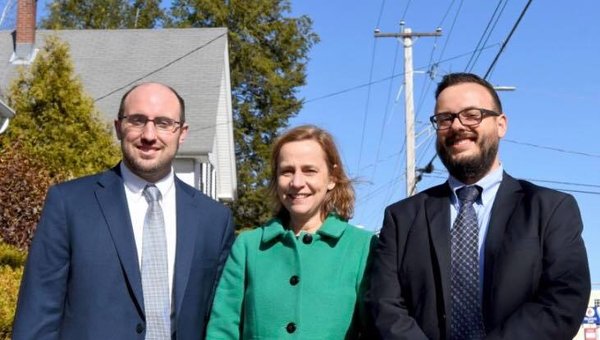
(452, 79)
(340, 199)
(121, 112)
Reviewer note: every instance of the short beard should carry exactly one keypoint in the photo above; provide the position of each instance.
(470, 169)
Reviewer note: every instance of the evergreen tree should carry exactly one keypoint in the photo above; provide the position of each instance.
(268, 52)
(103, 14)
(55, 121)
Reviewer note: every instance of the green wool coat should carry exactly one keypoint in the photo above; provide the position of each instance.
(276, 285)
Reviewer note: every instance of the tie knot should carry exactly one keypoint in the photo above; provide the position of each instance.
(151, 193)
(468, 194)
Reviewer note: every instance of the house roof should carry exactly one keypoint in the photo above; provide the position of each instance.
(109, 62)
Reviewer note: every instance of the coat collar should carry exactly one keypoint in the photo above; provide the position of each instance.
(187, 230)
(437, 212)
(110, 195)
(507, 199)
(333, 227)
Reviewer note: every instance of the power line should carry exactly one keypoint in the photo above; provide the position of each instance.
(578, 191)
(562, 182)
(386, 110)
(553, 148)
(405, 10)
(554, 182)
(514, 28)
(446, 14)
(432, 68)
(451, 30)
(366, 112)
(360, 86)
(380, 13)
(483, 39)
(176, 60)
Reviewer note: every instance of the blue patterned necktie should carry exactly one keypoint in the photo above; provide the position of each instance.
(466, 318)
(155, 275)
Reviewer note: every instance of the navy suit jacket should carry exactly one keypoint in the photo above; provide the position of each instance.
(536, 280)
(82, 277)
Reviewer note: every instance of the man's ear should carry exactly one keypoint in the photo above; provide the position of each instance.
(183, 134)
(118, 129)
(502, 122)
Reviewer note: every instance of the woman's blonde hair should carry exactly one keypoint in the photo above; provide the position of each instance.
(340, 199)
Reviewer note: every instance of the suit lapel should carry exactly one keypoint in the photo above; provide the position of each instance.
(437, 208)
(113, 203)
(507, 199)
(187, 229)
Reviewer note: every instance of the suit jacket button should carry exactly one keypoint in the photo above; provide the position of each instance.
(291, 327)
(307, 238)
(294, 280)
(139, 328)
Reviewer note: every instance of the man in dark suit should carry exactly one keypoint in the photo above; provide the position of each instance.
(507, 263)
(109, 259)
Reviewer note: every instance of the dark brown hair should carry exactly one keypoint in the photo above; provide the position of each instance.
(452, 79)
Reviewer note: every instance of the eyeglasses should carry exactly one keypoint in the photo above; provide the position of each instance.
(467, 117)
(139, 121)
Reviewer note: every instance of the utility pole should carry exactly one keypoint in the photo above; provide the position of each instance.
(407, 36)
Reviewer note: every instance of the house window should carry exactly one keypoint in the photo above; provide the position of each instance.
(208, 179)
(596, 302)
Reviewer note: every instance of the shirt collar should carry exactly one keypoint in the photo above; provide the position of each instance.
(488, 182)
(136, 184)
(332, 227)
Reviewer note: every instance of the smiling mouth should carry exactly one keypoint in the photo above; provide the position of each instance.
(462, 141)
(146, 150)
(298, 196)
(457, 140)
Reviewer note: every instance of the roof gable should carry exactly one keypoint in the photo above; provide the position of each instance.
(109, 62)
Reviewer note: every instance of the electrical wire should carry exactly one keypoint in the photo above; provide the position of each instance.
(563, 182)
(451, 30)
(405, 10)
(487, 31)
(512, 31)
(174, 61)
(552, 148)
(360, 86)
(446, 14)
(368, 99)
(385, 112)
(380, 15)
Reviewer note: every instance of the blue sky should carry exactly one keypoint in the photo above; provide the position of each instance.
(551, 59)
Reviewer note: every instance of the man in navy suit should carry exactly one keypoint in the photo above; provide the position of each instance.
(529, 276)
(83, 277)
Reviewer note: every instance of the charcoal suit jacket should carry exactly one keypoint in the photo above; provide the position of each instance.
(536, 280)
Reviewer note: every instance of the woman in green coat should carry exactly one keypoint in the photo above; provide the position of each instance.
(302, 274)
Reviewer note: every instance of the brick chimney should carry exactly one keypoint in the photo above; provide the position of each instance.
(25, 35)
